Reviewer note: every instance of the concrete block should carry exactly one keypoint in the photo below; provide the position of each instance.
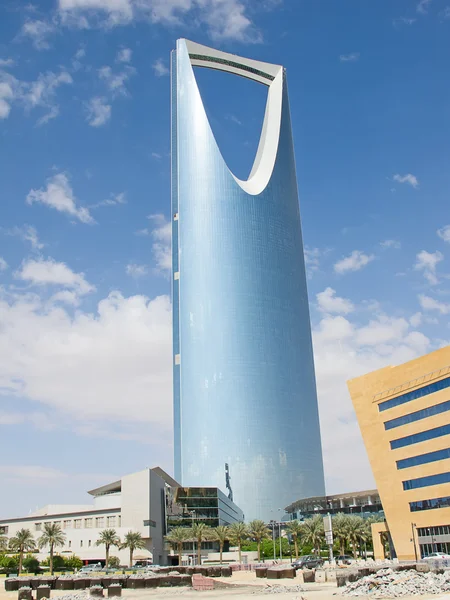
(43, 591)
(136, 583)
(114, 590)
(319, 576)
(96, 591)
(273, 574)
(261, 572)
(422, 567)
(330, 575)
(226, 571)
(25, 593)
(79, 583)
(214, 572)
(308, 576)
(288, 573)
(64, 584)
(11, 584)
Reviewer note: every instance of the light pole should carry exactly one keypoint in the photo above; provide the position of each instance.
(279, 523)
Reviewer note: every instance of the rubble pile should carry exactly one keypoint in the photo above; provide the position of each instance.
(387, 583)
(282, 589)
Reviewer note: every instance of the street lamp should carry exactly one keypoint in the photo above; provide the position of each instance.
(281, 553)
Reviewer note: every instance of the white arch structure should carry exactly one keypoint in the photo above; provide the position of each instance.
(268, 74)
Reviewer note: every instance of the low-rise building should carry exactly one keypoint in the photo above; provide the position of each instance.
(404, 417)
(366, 504)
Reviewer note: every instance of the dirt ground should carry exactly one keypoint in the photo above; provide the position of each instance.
(243, 585)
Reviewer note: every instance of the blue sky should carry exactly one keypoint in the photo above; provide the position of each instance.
(85, 338)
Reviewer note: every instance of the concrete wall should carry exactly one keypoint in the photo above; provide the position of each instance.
(367, 392)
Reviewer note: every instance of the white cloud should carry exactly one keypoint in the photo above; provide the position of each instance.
(98, 111)
(416, 319)
(6, 62)
(160, 68)
(50, 272)
(356, 261)
(404, 21)
(114, 200)
(41, 91)
(427, 263)
(428, 303)
(328, 302)
(112, 365)
(162, 249)
(136, 270)
(3, 264)
(116, 81)
(38, 31)
(27, 233)
(391, 244)
(59, 195)
(124, 55)
(222, 19)
(353, 57)
(312, 260)
(444, 233)
(6, 98)
(423, 6)
(409, 179)
(52, 114)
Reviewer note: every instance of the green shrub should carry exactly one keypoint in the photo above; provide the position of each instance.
(31, 565)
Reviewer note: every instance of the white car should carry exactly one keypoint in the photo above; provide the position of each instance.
(437, 556)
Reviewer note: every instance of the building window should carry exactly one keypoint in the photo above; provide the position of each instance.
(67, 524)
(3, 529)
(77, 523)
(439, 530)
(423, 459)
(416, 438)
(99, 522)
(430, 504)
(420, 482)
(88, 523)
(38, 526)
(81, 543)
(431, 388)
(437, 409)
(89, 543)
(111, 521)
(119, 520)
(70, 544)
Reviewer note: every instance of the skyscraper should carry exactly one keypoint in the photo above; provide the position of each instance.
(244, 384)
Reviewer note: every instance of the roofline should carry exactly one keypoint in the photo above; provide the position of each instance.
(332, 497)
(102, 511)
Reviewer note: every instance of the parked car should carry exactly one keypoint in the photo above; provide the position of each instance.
(91, 568)
(436, 556)
(310, 561)
(344, 558)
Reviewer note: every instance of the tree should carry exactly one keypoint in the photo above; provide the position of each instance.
(221, 534)
(3, 543)
(340, 531)
(52, 536)
(356, 531)
(259, 531)
(238, 534)
(176, 537)
(74, 562)
(114, 562)
(31, 564)
(108, 538)
(312, 532)
(294, 528)
(133, 541)
(200, 532)
(22, 542)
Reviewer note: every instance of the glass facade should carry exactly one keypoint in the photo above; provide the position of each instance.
(205, 505)
(420, 482)
(244, 382)
(422, 436)
(423, 459)
(430, 411)
(430, 504)
(431, 388)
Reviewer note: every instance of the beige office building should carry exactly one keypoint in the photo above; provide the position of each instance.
(404, 416)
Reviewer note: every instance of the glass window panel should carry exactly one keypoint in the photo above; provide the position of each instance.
(418, 415)
(416, 438)
(423, 459)
(430, 504)
(431, 388)
(412, 484)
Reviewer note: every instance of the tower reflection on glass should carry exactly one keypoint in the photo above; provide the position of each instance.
(244, 383)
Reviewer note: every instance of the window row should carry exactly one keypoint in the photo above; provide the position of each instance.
(426, 549)
(430, 504)
(437, 409)
(431, 388)
(438, 530)
(416, 438)
(423, 459)
(87, 523)
(420, 482)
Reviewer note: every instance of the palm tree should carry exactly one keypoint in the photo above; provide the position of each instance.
(356, 531)
(295, 529)
(108, 538)
(22, 542)
(3, 543)
(340, 531)
(312, 532)
(238, 533)
(176, 537)
(52, 536)
(221, 534)
(259, 531)
(133, 541)
(200, 532)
